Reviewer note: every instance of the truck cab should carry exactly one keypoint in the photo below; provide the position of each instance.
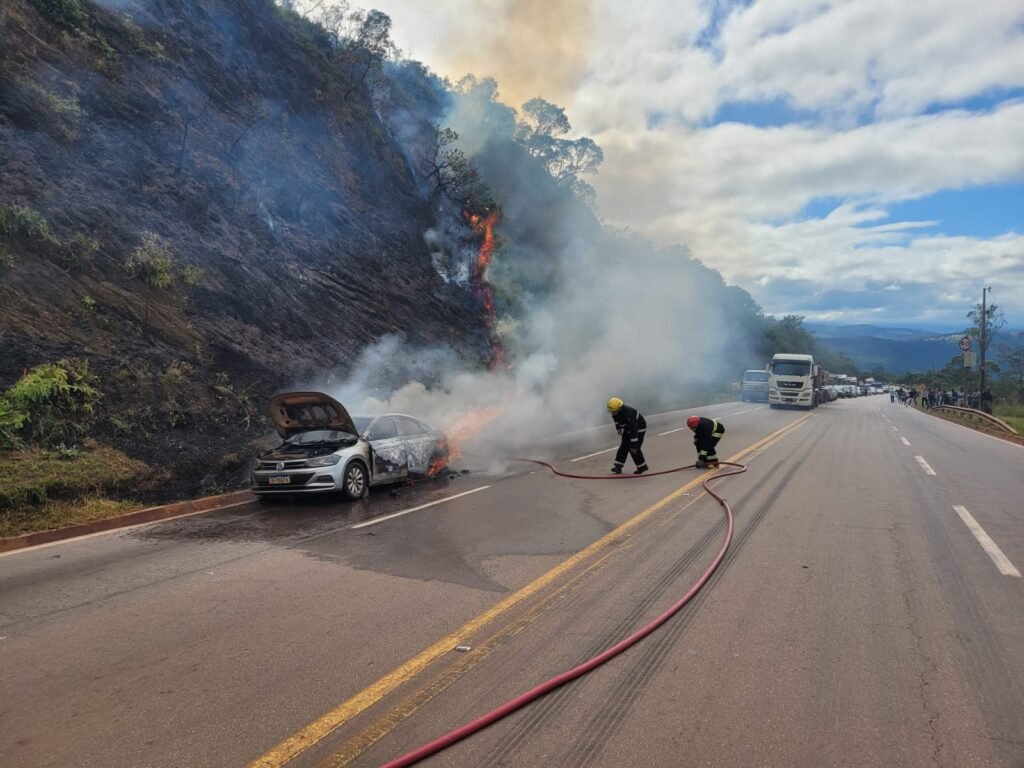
(792, 381)
(755, 386)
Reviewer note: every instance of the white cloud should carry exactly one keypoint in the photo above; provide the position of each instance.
(874, 81)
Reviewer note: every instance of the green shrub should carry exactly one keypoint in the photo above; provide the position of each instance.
(7, 259)
(174, 380)
(152, 262)
(191, 275)
(80, 251)
(51, 405)
(25, 221)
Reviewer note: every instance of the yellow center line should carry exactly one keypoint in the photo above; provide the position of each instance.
(330, 721)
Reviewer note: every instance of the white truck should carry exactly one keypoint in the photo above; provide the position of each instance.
(793, 380)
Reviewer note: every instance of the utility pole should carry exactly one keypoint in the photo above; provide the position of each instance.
(984, 324)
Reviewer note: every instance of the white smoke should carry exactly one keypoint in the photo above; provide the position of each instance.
(632, 325)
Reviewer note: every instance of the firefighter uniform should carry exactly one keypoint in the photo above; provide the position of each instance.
(706, 435)
(631, 424)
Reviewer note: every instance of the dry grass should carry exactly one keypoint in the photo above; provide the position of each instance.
(40, 490)
(60, 514)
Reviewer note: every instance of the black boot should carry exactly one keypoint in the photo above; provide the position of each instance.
(641, 469)
(617, 469)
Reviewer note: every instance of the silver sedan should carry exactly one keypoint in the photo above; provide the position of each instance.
(327, 450)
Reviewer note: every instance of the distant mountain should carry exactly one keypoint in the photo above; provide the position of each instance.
(894, 349)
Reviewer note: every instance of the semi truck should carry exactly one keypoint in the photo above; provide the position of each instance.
(793, 380)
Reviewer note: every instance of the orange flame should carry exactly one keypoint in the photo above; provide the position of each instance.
(485, 225)
(463, 428)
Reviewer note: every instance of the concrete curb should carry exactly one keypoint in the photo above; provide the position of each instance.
(150, 515)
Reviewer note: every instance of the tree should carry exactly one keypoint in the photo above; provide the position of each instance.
(541, 132)
(994, 322)
(453, 175)
(371, 46)
(479, 99)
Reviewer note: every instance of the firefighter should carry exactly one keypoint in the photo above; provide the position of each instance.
(706, 434)
(632, 426)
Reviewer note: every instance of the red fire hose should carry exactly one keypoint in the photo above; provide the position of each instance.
(533, 694)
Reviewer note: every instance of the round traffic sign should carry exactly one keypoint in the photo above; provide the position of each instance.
(965, 343)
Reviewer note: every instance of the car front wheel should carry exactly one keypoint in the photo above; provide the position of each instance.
(355, 481)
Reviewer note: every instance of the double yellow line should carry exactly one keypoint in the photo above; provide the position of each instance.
(330, 721)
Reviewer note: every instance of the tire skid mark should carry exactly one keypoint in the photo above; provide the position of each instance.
(603, 724)
(564, 599)
(557, 701)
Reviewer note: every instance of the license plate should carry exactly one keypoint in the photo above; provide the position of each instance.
(280, 480)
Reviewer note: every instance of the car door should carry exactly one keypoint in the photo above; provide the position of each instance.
(387, 446)
(418, 443)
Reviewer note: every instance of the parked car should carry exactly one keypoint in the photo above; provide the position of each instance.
(326, 450)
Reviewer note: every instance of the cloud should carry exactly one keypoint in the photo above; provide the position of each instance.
(867, 102)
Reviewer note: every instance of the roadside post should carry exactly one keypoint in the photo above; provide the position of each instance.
(965, 345)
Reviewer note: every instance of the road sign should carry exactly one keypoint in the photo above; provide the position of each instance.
(965, 343)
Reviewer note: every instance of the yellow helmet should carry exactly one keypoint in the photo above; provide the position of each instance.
(615, 404)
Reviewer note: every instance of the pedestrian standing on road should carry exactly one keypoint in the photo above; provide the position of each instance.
(632, 427)
(706, 434)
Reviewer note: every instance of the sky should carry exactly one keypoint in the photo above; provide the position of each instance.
(853, 161)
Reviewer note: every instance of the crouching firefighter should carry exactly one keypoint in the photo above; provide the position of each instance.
(706, 434)
(632, 426)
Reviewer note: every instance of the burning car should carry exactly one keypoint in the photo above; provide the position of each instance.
(327, 450)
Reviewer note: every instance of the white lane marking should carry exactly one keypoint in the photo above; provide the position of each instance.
(905, 441)
(924, 465)
(895, 429)
(393, 515)
(739, 412)
(671, 431)
(991, 548)
(590, 455)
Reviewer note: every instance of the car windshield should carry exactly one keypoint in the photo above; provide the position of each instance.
(755, 376)
(785, 368)
(361, 422)
(319, 436)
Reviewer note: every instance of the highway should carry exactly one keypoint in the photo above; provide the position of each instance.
(870, 612)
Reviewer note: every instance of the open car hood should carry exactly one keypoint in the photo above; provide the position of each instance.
(295, 412)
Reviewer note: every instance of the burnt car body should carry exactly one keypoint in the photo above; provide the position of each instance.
(325, 450)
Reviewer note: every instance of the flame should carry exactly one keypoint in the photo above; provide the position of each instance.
(463, 428)
(484, 225)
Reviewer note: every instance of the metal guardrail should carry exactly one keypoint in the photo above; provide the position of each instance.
(978, 414)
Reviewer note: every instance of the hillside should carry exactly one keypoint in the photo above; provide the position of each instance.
(206, 201)
(216, 218)
(893, 349)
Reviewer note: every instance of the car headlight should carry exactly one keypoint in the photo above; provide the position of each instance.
(324, 461)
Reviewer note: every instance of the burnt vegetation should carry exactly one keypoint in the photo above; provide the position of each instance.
(203, 201)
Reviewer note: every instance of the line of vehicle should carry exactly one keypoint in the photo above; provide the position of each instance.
(1001, 561)
(393, 515)
(330, 721)
(924, 465)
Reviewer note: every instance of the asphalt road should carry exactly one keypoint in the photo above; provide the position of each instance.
(860, 618)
